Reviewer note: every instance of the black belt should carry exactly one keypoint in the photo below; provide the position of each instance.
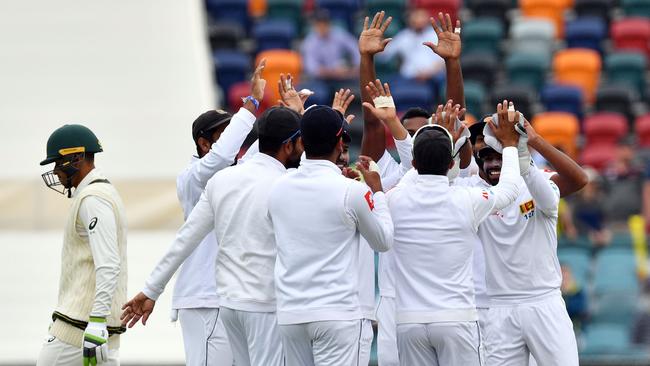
(80, 324)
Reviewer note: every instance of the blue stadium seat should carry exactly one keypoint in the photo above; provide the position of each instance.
(480, 67)
(286, 9)
(229, 10)
(622, 240)
(321, 93)
(595, 8)
(474, 98)
(627, 68)
(606, 338)
(615, 270)
(341, 11)
(482, 35)
(563, 98)
(412, 94)
(225, 35)
(231, 67)
(586, 32)
(274, 34)
(579, 260)
(579, 242)
(615, 307)
(526, 68)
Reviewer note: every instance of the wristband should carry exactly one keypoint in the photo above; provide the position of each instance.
(383, 102)
(252, 99)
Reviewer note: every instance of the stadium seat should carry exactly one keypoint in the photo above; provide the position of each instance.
(436, 6)
(496, 9)
(230, 67)
(579, 260)
(606, 338)
(617, 307)
(563, 98)
(532, 35)
(597, 156)
(280, 62)
(616, 98)
(604, 128)
(579, 242)
(622, 240)
(235, 11)
(627, 68)
(394, 8)
(257, 8)
(242, 89)
(412, 94)
(578, 66)
(586, 32)
(321, 92)
(225, 36)
(482, 35)
(594, 8)
(642, 129)
(560, 129)
(528, 68)
(522, 96)
(274, 34)
(480, 68)
(637, 8)
(474, 98)
(632, 34)
(615, 270)
(286, 9)
(552, 10)
(341, 11)
(386, 69)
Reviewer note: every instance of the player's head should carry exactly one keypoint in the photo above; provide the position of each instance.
(489, 162)
(207, 129)
(344, 159)
(418, 19)
(72, 149)
(278, 129)
(414, 119)
(433, 151)
(476, 135)
(324, 133)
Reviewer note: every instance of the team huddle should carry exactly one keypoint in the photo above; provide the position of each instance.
(277, 252)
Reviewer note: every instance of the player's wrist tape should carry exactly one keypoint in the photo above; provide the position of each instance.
(252, 99)
(383, 102)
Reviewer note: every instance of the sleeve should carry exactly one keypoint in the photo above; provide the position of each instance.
(224, 151)
(389, 170)
(189, 236)
(370, 212)
(545, 192)
(485, 201)
(98, 219)
(405, 152)
(252, 150)
(472, 169)
(309, 56)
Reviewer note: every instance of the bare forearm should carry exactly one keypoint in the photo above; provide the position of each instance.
(570, 176)
(465, 155)
(455, 89)
(373, 142)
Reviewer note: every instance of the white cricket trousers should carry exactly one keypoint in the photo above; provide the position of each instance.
(387, 354)
(439, 344)
(324, 343)
(541, 327)
(204, 337)
(57, 353)
(254, 337)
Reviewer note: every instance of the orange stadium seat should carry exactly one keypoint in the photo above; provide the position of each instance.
(642, 128)
(256, 8)
(549, 9)
(580, 67)
(279, 62)
(560, 129)
(605, 128)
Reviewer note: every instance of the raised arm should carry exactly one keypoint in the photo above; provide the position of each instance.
(570, 176)
(371, 42)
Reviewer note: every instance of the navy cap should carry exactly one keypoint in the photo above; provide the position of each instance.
(476, 130)
(320, 124)
(208, 121)
(278, 123)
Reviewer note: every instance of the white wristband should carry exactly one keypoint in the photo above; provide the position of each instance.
(384, 102)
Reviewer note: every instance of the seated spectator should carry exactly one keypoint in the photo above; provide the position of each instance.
(624, 179)
(575, 298)
(417, 60)
(330, 53)
(589, 212)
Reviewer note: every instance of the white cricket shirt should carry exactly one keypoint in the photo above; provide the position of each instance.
(433, 242)
(318, 215)
(195, 289)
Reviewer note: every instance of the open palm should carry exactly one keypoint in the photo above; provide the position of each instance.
(371, 39)
(449, 42)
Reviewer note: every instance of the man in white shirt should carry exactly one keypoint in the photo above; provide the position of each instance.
(434, 228)
(318, 215)
(234, 205)
(218, 136)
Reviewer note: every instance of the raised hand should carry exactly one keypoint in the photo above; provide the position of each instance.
(138, 307)
(376, 90)
(505, 132)
(370, 177)
(449, 44)
(290, 98)
(371, 39)
(257, 83)
(446, 117)
(342, 100)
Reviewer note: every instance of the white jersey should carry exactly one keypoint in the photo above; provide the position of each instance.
(433, 242)
(234, 204)
(193, 288)
(318, 216)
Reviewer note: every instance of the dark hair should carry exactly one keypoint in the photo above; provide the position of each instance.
(415, 112)
(324, 147)
(89, 157)
(432, 152)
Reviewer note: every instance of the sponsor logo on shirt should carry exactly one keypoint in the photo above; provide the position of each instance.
(371, 203)
(93, 223)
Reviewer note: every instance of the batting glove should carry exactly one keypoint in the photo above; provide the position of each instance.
(95, 349)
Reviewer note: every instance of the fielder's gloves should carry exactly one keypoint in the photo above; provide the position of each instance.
(525, 160)
(95, 346)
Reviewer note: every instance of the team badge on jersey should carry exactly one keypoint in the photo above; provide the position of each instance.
(371, 202)
(527, 207)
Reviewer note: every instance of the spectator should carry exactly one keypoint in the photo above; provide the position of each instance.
(646, 198)
(624, 178)
(330, 53)
(417, 61)
(574, 297)
(589, 212)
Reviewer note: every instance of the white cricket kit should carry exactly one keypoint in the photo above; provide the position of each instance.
(435, 226)
(195, 294)
(527, 313)
(318, 216)
(234, 204)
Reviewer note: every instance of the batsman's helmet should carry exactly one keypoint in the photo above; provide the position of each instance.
(71, 139)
